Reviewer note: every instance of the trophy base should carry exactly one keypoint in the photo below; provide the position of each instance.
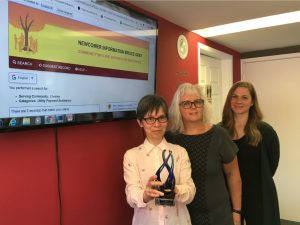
(165, 201)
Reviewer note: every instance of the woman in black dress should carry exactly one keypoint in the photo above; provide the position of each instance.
(258, 154)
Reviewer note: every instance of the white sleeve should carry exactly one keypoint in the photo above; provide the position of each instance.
(134, 189)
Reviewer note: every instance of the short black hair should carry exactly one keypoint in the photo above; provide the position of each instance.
(149, 104)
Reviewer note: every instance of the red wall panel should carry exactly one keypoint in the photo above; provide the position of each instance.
(171, 69)
(28, 178)
(92, 184)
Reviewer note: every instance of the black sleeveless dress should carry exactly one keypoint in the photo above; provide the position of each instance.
(250, 169)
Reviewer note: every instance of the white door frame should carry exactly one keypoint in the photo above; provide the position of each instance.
(226, 67)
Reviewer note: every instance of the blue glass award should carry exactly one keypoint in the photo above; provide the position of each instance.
(168, 186)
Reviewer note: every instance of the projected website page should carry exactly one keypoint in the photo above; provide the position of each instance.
(66, 57)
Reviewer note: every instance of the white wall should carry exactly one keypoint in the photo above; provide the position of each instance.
(277, 82)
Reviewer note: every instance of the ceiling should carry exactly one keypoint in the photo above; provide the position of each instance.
(201, 14)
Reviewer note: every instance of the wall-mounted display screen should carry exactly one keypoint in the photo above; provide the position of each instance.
(68, 62)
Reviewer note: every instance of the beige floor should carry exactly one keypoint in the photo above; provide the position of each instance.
(286, 222)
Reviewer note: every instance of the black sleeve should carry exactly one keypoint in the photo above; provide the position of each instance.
(228, 148)
(271, 145)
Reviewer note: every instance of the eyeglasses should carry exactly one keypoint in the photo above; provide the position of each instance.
(152, 120)
(198, 103)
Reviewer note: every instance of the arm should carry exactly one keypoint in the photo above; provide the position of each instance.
(134, 189)
(185, 189)
(271, 144)
(234, 182)
(137, 194)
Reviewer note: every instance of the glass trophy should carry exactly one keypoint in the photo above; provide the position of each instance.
(168, 186)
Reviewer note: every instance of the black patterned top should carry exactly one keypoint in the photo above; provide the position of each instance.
(208, 152)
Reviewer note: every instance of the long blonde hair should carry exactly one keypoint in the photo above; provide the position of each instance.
(254, 118)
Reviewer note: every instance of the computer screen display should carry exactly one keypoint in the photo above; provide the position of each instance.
(75, 61)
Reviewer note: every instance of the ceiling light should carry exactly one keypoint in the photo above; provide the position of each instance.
(268, 21)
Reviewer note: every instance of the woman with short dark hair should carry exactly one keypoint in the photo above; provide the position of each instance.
(149, 181)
